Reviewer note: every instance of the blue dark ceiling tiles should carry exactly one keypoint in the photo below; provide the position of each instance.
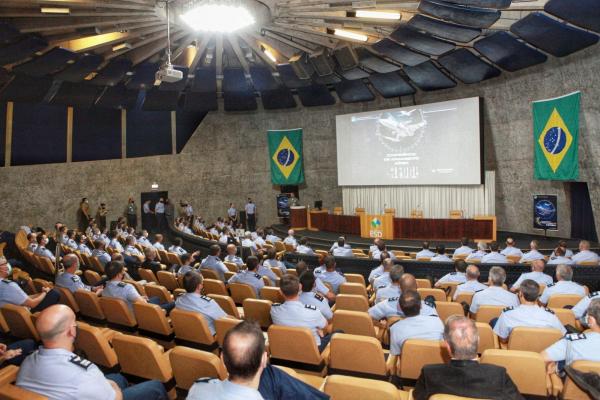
(585, 14)
(24, 48)
(117, 97)
(428, 77)
(508, 53)
(353, 91)
(374, 63)
(161, 100)
(552, 36)
(470, 16)
(330, 79)
(467, 67)
(391, 85)
(239, 101)
(48, 63)
(205, 80)
(200, 101)
(234, 80)
(77, 72)
(289, 77)
(76, 94)
(113, 73)
(353, 74)
(143, 76)
(277, 99)
(483, 3)
(8, 33)
(263, 78)
(315, 95)
(26, 89)
(444, 30)
(398, 53)
(420, 41)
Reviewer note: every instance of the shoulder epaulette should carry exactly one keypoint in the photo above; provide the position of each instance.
(453, 273)
(204, 380)
(317, 271)
(75, 278)
(319, 297)
(381, 286)
(480, 290)
(508, 309)
(550, 285)
(549, 310)
(203, 297)
(80, 362)
(393, 298)
(257, 276)
(594, 294)
(121, 284)
(5, 281)
(310, 306)
(275, 304)
(429, 303)
(575, 336)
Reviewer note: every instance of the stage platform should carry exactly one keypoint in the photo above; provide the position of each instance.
(323, 241)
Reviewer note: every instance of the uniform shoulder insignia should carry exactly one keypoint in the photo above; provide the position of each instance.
(549, 310)
(121, 284)
(453, 273)
(317, 271)
(80, 362)
(319, 297)
(430, 303)
(393, 298)
(550, 285)
(480, 290)
(257, 276)
(204, 380)
(203, 297)
(594, 294)
(75, 278)
(310, 306)
(575, 336)
(508, 309)
(380, 286)
(5, 281)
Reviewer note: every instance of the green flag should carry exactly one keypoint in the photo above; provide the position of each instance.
(555, 137)
(285, 151)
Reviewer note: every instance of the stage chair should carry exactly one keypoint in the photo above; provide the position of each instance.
(487, 338)
(279, 246)
(214, 286)
(188, 365)
(353, 288)
(358, 355)
(448, 308)
(192, 330)
(352, 302)
(527, 370)
(414, 213)
(424, 259)
(159, 291)
(118, 313)
(455, 214)
(533, 339)
(19, 321)
(292, 271)
(562, 300)
(222, 326)
(94, 342)
(241, 292)
(91, 277)
(423, 284)
(341, 387)
(147, 275)
(355, 323)
(417, 353)
(488, 313)
(151, 318)
(227, 304)
(259, 311)
(271, 293)
(232, 267)
(570, 390)
(66, 298)
(296, 347)
(89, 304)
(588, 263)
(438, 294)
(168, 280)
(355, 278)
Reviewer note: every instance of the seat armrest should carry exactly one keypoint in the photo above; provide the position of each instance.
(390, 364)
(557, 385)
(8, 374)
(325, 353)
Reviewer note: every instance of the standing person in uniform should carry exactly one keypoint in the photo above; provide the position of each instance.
(101, 216)
(147, 218)
(159, 211)
(250, 208)
(232, 214)
(169, 212)
(83, 215)
(131, 213)
(56, 372)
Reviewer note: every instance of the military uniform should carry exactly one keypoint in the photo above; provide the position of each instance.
(462, 250)
(249, 278)
(562, 287)
(266, 271)
(391, 308)
(204, 305)
(417, 327)
(455, 276)
(272, 263)
(476, 255)
(539, 277)
(273, 238)
(494, 296)
(342, 252)
(121, 290)
(320, 286)
(387, 292)
(177, 250)
(144, 242)
(560, 260)
(249, 243)
(576, 346)
(382, 281)
(302, 249)
(131, 250)
(375, 273)
(234, 259)
(425, 253)
(290, 240)
(532, 256)
(585, 256)
(494, 258)
(215, 263)
(296, 314)
(71, 282)
(44, 252)
(334, 278)
(469, 286)
(376, 254)
(102, 255)
(315, 299)
(528, 316)
(511, 251)
(11, 293)
(215, 389)
(184, 269)
(580, 308)
(158, 246)
(116, 245)
(84, 249)
(441, 258)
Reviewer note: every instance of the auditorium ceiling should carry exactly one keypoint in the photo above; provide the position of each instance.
(274, 53)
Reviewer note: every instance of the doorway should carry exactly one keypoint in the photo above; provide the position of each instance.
(149, 220)
(583, 225)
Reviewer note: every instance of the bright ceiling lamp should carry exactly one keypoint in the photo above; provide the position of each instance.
(55, 10)
(218, 18)
(378, 14)
(350, 35)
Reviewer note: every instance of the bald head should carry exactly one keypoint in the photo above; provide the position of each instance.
(472, 272)
(71, 262)
(244, 351)
(584, 245)
(462, 337)
(231, 249)
(538, 265)
(54, 326)
(408, 282)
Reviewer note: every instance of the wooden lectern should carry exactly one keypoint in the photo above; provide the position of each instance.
(298, 217)
(377, 225)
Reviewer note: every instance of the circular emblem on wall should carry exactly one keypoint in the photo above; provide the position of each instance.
(285, 157)
(555, 140)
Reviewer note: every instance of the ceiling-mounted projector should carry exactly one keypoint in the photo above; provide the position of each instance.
(168, 74)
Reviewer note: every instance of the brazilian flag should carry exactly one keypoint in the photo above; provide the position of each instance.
(556, 131)
(285, 150)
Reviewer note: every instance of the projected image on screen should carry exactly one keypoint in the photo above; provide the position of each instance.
(430, 144)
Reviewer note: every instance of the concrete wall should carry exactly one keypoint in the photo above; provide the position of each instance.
(226, 159)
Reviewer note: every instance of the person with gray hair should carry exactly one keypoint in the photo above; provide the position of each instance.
(578, 346)
(478, 255)
(585, 254)
(69, 278)
(384, 279)
(392, 289)
(11, 292)
(495, 294)
(537, 274)
(463, 375)
(564, 284)
(472, 284)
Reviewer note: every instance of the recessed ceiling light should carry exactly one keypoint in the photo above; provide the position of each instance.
(378, 14)
(218, 18)
(122, 46)
(350, 35)
(55, 10)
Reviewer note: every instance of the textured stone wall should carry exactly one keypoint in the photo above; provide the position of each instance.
(226, 159)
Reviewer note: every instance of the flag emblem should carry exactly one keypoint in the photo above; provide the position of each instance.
(375, 223)
(556, 140)
(286, 157)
